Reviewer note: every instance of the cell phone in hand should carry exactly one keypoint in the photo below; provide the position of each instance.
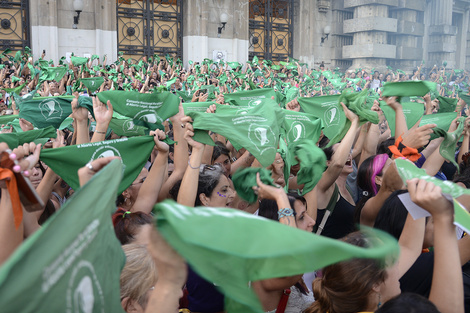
(28, 195)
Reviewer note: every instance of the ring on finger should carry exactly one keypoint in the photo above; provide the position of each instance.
(90, 166)
(182, 125)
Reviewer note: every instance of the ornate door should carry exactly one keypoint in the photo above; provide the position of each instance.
(148, 27)
(14, 25)
(271, 29)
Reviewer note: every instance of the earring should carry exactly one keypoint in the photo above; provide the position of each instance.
(380, 303)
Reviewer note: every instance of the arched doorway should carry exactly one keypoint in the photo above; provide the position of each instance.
(148, 27)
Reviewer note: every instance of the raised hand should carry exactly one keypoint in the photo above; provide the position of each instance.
(349, 114)
(103, 114)
(418, 137)
(159, 135)
(91, 168)
(188, 136)
(78, 113)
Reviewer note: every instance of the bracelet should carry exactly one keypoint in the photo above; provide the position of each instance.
(194, 168)
(285, 213)
(104, 133)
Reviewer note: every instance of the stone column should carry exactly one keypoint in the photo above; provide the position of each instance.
(442, 42)
(44, 30)
(201, 20)
(461, 63)
(51, 29)
(409, 54)
(370, 26)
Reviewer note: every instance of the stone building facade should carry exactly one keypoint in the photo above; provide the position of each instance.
(340, 33)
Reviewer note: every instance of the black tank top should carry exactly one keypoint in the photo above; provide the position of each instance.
(340, 222)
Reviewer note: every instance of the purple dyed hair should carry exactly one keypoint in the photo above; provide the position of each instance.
(377, 167)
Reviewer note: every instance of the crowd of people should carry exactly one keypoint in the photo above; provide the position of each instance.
(313, 149)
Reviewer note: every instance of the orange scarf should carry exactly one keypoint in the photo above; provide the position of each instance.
(10, 180)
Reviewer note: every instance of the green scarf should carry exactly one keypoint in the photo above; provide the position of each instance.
(46, 111)
(249, 98)
(245, 178)
(149, 110)
(257, 129)
(66, 161)
(83, 261)
(216, 252)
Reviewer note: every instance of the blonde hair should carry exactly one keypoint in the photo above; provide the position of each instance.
(139, 274)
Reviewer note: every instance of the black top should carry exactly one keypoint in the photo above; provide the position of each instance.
(203, 295)
(340, 222)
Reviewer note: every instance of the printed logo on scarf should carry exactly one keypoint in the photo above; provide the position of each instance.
(296, 132)
(105, 151)
(148, 116)
(84, 292)
(332, 116)
(262, 137)
(51, 109)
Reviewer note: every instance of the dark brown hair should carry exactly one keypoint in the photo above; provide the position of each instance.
(345, 286)
(127, 224)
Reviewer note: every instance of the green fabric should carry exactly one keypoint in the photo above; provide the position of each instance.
(127, 127)
(442, 120)
(449, 145)
(283, 150)
(77, 61)
(170, 82)
(447, 104)
(244, 179)
(356, 102)
(65, 161)
(11, 139)
(328, 109)
(413, 112)
(408, 88)
(46, 111)
(292, 93)
(53, 73)
(16, 125)
(73, 262)
(66, 123)
(187, 95)
(234, 65)
(257, 129)
(92, 83)
(7, 118)
(196, 106)
(408, 170)
(298, 125)
(249, 98)
(16, 90)
(264, 249)
(465, 98)
(35, 134)
(312, 163)
(149, 110)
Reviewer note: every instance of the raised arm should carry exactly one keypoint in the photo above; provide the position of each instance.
(181, 154)
(400, 121)
(150, 189)
(80, 116)
(103, 116)
(188, 189)
(338, 160)
(447, 284)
